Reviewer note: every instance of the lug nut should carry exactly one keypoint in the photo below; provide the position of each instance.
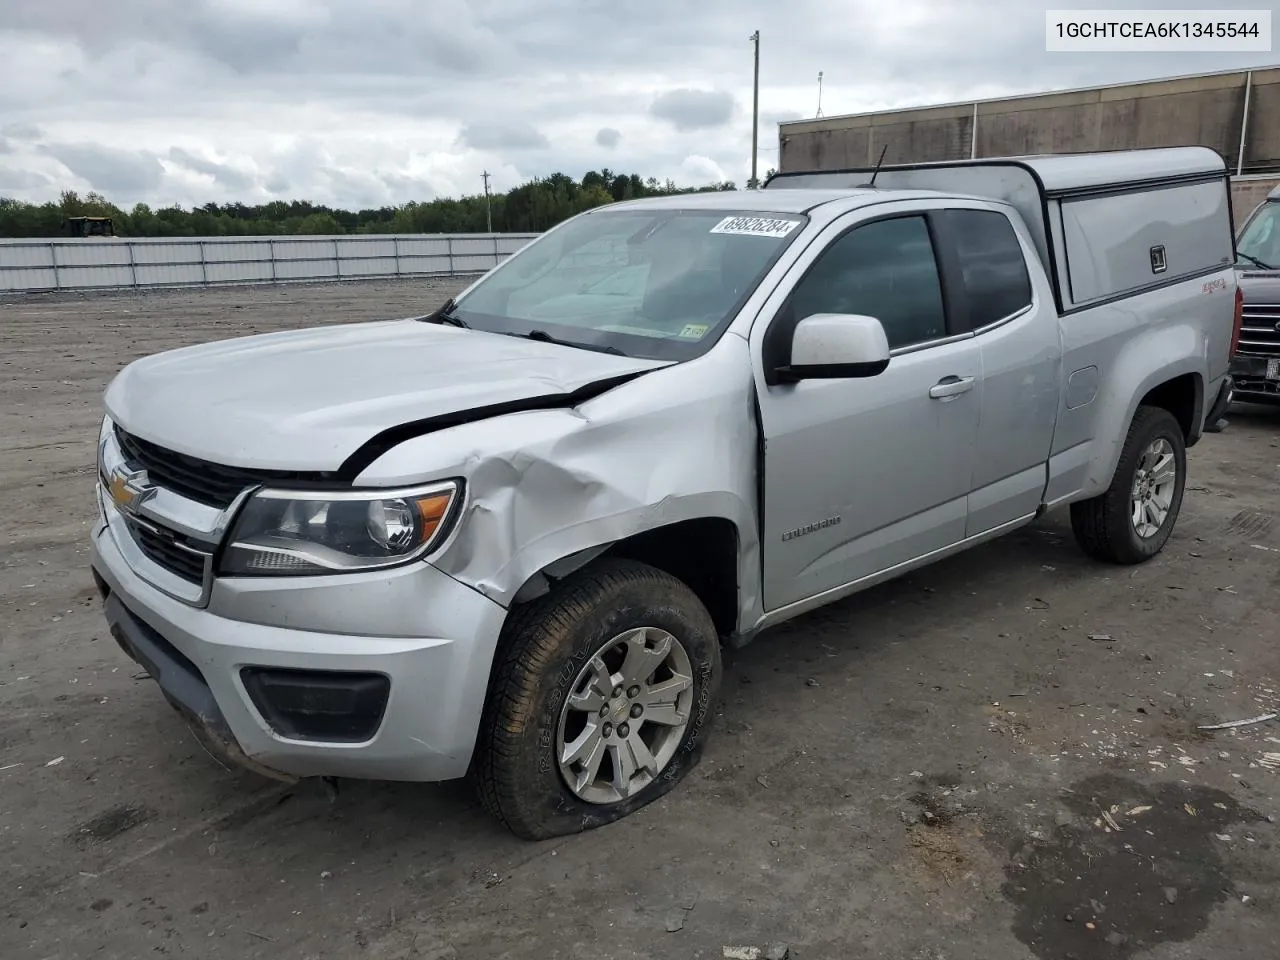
(604, 711)
(636, 710)
(623, 730)
(633, 692)
(617, 692)
(607, 730)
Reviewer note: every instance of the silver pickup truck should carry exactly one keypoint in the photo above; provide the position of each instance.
(508, 539)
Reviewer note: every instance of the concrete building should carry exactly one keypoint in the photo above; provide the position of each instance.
(1236, 113)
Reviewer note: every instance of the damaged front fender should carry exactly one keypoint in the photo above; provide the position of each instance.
(543, 486)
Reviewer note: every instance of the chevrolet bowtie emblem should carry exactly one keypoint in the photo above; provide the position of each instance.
(129, 491)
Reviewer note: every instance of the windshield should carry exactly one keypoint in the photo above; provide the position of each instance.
(1259, 244)
(660, 284)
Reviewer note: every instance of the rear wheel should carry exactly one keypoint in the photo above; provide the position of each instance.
(1131, 522)
(600, 700)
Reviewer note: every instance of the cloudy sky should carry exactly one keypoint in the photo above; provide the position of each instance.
(369, 102)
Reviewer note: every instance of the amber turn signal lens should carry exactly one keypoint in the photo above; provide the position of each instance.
(431, 511)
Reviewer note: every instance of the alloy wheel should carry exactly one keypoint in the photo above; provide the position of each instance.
(625, 715)
(1154, 483)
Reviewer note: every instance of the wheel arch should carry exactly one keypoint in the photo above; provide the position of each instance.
(704, 553)
(1182, 396)
(1150, 377)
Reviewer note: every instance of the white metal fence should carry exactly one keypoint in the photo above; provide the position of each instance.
(107, 263)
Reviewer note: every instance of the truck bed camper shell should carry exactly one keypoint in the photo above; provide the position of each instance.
(1095, 218)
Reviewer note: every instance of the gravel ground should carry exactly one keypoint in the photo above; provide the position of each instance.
(996, 757)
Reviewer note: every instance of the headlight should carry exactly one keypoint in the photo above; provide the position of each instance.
(104, 431)
(301, 532)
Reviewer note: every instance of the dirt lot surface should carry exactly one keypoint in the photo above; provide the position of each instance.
(994, 758)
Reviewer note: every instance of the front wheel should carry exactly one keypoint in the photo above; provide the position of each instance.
(600, 699)
(1133, 519)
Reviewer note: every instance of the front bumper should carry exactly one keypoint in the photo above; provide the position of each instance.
(1251, 383)
(429, 636)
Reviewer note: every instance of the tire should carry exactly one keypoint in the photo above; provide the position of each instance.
(1105, 525)
(548, 651)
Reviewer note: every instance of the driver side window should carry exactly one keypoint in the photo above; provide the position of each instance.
(885, 269)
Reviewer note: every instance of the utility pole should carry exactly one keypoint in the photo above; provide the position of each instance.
(488, 206)
(755, 112)
(819, 113)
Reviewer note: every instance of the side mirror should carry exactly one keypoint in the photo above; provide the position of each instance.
(827, 346)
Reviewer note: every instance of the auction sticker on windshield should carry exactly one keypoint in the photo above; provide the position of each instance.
(756, 226)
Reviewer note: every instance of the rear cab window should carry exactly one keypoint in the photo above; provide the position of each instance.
(991, 265)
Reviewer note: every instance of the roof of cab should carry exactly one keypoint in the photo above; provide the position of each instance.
(779, 200)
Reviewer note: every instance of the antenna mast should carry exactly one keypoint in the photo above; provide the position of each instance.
(876, 172)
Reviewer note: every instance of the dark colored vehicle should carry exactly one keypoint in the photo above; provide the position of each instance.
(1255, 364)
(88, 227)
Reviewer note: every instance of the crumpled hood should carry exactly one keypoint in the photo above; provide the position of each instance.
(307, 399)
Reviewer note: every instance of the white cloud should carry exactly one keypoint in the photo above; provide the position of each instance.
(108, 169)
(697, 169)
(220, 172)
(16, 181)
(487, 135)
(354, 102)
(688, 110)
(22, 131)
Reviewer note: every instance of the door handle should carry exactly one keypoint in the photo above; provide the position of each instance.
(949, 387)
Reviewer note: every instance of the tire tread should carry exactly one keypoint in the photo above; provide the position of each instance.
(1101, 524)
(534, 632)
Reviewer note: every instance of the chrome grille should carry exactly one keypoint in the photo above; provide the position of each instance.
(1260, 330)
(212, 484)
(170, 511)
(170, 550)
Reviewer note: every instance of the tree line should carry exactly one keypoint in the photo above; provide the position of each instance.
(530, 208)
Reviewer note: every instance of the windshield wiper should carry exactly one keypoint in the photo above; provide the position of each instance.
(1256, 262)
(446, 315)
(544, 337)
